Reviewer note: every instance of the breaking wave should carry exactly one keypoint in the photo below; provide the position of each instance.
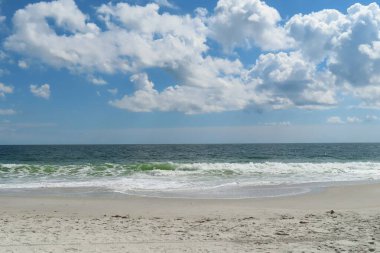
(171, 177)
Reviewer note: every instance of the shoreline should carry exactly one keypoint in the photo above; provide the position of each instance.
(233, 193)
(336, 219)
(345, 196)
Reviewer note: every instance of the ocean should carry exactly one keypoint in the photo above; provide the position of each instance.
(190, 171)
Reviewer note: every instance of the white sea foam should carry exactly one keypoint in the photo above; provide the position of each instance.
(172, 177)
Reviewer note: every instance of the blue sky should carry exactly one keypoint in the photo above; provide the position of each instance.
(76, 71)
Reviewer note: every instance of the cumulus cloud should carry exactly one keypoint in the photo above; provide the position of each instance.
(42, 91)
(214, 85)
(346, 44)
(135, 37)
(349, 62)
(292, 80)
(331, 35)
(305, 62)
(35, 38)
(194, 97)
(4, 89)
(315, 34)
(247, 23)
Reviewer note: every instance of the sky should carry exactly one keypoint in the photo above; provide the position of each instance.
(166, 71)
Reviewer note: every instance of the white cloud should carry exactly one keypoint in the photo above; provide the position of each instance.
(7, 112)
(315, 34)
(350, 63)
(140, 37)
(347, 45)
(144, 98)
(35, 38)
(335, 120)
(155, 40)
(23, 64)
(42, 91)
(97, 80)
(135, 37)
(313, 56)
(4, 89)
(247, 23)
(213, 85)
(213, 95)
(292, 80)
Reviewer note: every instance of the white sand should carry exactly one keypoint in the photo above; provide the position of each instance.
(38, 223)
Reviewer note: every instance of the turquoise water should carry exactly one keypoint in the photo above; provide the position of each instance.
(188, 170)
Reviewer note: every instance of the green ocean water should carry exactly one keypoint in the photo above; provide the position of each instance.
(187, 170)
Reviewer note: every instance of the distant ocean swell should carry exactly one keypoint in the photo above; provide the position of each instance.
(166, 177)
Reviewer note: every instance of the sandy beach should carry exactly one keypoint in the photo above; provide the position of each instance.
(337, 219)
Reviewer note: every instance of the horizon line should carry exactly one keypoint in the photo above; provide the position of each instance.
(231, 143)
